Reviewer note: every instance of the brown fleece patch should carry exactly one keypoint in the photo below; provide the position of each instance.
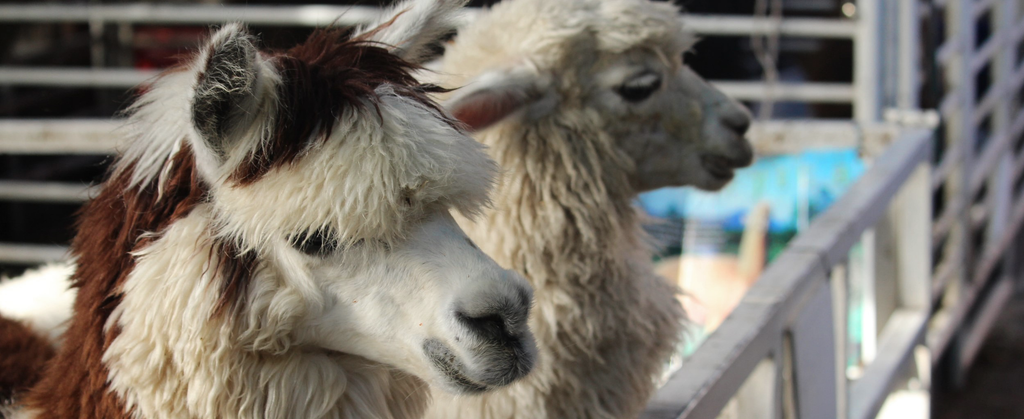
(23, 356)
(236, 270)
(320, 78)
(109, 228)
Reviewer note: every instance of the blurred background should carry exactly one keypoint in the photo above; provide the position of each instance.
(36, 45)
(833, 85)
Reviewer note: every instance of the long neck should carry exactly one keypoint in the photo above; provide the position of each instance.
(563, 217)
(110, 227)
(564, 205)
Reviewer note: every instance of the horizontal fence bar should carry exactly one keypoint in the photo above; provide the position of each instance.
(709, 378)
(101, 136)
(311, 15)
(68, 193)
(745, 26)
(31, 254)
(54, 136)
(776, 137)
(128, 78)
(113, 78)
(781, 92)
(321, 15)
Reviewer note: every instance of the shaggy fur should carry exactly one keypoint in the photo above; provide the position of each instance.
(198, 294)
(40, 298)
(548, 82)
(26, 354)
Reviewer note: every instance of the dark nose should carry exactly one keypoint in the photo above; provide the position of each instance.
(738, 122)
(501, 320)
(489, 327)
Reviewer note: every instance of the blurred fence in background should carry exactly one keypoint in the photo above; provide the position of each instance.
(936, 217)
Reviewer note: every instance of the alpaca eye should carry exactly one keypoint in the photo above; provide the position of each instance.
(316, 243)
(639, 88)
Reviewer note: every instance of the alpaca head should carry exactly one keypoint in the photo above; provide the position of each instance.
(616, 67)
(327, 181)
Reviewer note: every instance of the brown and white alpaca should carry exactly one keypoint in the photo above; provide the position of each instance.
(40, 299)
(585, 103)
(277, 242)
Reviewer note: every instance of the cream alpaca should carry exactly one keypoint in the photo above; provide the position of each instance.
(276, 242)
(584, 103)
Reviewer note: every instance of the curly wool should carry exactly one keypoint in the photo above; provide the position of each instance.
(605, 323)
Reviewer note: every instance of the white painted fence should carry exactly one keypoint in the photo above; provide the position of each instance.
(936, 282)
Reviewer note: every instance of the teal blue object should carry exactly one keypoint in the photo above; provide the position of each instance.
(796, 188)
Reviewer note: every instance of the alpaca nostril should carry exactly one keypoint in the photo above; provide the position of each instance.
(490, 326)
(737, 122)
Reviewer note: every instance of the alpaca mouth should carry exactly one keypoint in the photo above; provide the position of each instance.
(451, 368)
(719, 167)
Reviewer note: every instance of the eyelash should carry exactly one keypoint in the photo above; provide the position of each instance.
(638, 88)
(322, 243)
(317, 243)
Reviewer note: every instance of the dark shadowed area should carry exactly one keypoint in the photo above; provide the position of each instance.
(995, 384)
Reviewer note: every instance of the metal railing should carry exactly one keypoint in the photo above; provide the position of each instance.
(315, 15)
(979, 174)
(794, 316)
(939, 281)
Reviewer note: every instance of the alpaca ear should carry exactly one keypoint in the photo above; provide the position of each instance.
(494, 96)
(410, 28)
(225, 90)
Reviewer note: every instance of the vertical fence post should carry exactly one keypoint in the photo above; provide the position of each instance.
(866, 63)
(840, 295)
(909, 54)
(960, 15)
(815, 359)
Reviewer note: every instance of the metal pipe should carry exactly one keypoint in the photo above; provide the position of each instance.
(746, 26)
(31, 254)
(866, 65)
(113, 78)
(122, 78)
(74, 136)
(802, 92)
(67, 193)
(313, 15)
(317, 15)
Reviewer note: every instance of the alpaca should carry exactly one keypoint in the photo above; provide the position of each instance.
(585, 103)
(24, 350)
(40, 299)
(277, 242)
